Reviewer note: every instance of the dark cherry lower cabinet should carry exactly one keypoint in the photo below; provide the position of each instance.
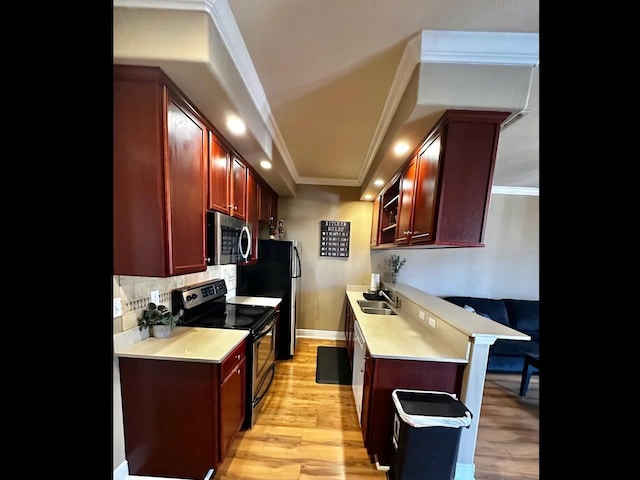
(232, 397)
(180, 417)
(349, 320)
(381, 377)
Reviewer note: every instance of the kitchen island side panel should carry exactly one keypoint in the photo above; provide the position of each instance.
(169, 415)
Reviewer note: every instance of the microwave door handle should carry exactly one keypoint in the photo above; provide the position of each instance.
(245, 255)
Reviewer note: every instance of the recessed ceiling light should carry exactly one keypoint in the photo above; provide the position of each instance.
(400, 148)
(368, 197)
(236, 125)
(265, 164)
(378, 182)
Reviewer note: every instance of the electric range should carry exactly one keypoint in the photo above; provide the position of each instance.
(204, 305)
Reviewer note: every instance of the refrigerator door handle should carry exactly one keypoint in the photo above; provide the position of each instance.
(298, 272)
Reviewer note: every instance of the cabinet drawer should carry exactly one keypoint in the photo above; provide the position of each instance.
(233, 358)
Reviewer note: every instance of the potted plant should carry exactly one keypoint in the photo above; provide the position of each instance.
(159, 319)
(396, 263)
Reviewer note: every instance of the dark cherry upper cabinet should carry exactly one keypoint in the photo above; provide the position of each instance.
(238, 194)
(445, 187)
(375, 221)
(425, 190)
(159, 176)
(252, 210)
(219, 171)
(268, 205)
(389, 214)
(405, 203)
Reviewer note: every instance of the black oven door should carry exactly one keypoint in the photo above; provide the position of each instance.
(264, 357)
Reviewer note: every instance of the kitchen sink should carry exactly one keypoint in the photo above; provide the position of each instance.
(378, 311)
(373, 304)
(375, 307)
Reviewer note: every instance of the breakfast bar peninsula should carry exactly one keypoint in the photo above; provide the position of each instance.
(424, 343)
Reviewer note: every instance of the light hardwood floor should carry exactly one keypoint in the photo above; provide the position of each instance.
(310, 431)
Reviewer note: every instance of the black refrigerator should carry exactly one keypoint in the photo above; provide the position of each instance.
(276, 274)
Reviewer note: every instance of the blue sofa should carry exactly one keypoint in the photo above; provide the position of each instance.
(507, 356)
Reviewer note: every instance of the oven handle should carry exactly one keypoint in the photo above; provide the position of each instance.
(264, 333)
(260, 397)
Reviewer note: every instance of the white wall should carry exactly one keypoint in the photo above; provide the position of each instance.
(506, 267)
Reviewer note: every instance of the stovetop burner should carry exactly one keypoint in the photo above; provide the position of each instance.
(205, 305)
(250, 310)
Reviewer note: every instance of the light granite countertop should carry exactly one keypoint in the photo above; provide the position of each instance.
(404, 336)
(187, 344)
(262, 301)
(467, 322)
(399, 336)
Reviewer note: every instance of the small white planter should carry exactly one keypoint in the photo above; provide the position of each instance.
(161, 331)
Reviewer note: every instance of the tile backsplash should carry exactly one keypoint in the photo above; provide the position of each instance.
(134, 292)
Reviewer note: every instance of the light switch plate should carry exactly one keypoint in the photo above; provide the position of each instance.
(432, 322)
(117, 307)
(155, 296)
(421, 315)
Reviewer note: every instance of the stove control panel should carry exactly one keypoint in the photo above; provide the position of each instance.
(195, 295)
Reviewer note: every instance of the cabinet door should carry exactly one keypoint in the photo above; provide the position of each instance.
(252, 211)
(375, 222)
(423, 218)
(159, 177)
(238, 189)
(265, 198)
(187, 139)
(405, 207)
(273, 205)
(366, 397)
(219, 170)
(170, 417)
(232, 405)
(349, 319)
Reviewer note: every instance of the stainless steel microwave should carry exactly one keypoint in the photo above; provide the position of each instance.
(228, 240)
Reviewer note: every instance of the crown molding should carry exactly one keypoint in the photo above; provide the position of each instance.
(222, 17)
(433, 46)
(334, 182)
(485, 48)
(409, 60)
(533, 191)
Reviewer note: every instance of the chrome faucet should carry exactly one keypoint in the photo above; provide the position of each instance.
(393, 299)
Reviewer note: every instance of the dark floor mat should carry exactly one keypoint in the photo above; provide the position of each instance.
(333, 366)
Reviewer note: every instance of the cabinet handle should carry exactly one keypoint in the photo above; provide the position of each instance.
(238, 371)
(235, 207)
(238, 357)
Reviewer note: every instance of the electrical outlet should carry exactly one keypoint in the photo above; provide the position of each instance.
(421, 315)
(432, 322)
(117, 307)
(155, 296)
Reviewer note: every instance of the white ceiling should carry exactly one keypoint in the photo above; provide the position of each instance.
(327, 86)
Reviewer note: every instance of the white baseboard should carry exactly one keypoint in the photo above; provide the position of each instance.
(122, 472)
(322, 334)
(465, 471)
